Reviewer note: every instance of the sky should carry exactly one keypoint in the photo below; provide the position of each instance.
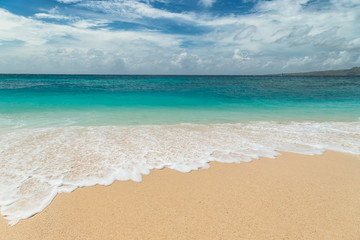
(178, 36)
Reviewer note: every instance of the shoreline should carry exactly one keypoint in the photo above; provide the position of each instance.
(292, 196)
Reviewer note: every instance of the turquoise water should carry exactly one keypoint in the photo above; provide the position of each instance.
(63, 100)
(61, 132)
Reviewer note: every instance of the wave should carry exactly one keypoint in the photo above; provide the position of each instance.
(38, 163)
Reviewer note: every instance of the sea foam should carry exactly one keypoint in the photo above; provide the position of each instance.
(38, 163)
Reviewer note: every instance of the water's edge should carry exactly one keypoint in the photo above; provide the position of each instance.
(39, 163)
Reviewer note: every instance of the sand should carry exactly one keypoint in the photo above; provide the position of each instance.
(290, 197)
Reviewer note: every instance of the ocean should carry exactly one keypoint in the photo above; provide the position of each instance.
(61, 132)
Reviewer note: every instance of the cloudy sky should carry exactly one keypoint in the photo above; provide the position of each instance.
(178, 36)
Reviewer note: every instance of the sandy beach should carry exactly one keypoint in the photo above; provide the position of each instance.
(161, 119)
(290, 197)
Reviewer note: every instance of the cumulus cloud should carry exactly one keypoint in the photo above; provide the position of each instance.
(276, 36)
(52, 47)
(241, 55)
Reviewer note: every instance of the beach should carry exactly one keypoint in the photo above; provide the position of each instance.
(290, 197)
(159, 119)
(179, 157)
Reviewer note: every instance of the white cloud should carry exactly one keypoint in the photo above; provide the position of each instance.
(337, 59)
(207, 3)
(51, 47)
(68, 1)
(298, 61)
(89, 23)
(130, 9)
(51, 16)
(241, 55)
(279, 35)
(284, 7)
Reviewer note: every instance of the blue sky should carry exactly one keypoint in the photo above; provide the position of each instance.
(178, 37)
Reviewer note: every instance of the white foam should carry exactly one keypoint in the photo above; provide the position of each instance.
(38, 163)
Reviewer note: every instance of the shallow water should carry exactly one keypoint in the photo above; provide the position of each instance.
(58, 133)
(63, 100)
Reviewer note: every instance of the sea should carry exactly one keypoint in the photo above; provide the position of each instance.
(61, 132)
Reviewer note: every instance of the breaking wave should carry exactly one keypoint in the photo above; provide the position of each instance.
(38, 163)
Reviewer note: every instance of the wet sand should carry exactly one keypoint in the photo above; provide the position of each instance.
(290, 197)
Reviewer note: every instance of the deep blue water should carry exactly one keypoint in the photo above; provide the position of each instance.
(38, 100)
